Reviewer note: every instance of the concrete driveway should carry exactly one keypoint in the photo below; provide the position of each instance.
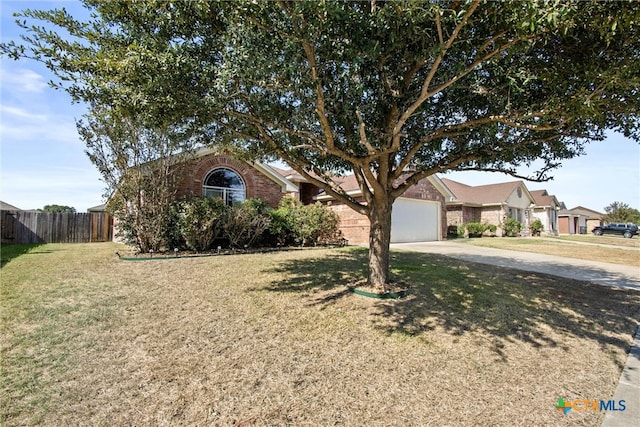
(590, 271)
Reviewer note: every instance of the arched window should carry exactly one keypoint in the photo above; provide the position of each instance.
(224, 184)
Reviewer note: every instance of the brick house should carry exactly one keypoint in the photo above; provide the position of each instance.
(490, 204)
(210, 174)
(418, 215)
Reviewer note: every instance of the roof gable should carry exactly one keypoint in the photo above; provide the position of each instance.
(269, 171)
(543, 198)
(490, 194)
(587, 212)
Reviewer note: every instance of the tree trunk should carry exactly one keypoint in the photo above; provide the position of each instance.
(379, 240)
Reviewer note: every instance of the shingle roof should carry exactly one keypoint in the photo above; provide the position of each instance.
(590, 213)
(7, 207)
(347, 183)
(482, 194)
(542, 197)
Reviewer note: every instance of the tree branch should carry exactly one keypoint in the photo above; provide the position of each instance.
(420, 175)
(301, 166)
(455, 130)
(425, 93)
(539, 175)
(363, 135)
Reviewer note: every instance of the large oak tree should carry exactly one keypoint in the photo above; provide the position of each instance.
(392, 91)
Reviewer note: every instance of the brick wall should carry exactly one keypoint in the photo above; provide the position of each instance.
(458, 215)
(258, 186)
(354, 226)
(492, 215)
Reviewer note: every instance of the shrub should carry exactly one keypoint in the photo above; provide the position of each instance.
(452, 231)
(307, 225)
(175, 238)
(475, 229)
(245, 223)
(511, 227)
(536, 227)
(145, 226)
(281, 229)
(200, 221)
(314, 223)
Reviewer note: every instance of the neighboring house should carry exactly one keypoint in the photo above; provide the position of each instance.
(97, 209)
(4, 206)
(579, 220)
(490, 204)
(546, 210)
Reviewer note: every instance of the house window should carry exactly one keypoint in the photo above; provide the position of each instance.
(225, 184)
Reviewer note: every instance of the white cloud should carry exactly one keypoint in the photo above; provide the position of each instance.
(23, 80)
(21, 113)
(19, 125)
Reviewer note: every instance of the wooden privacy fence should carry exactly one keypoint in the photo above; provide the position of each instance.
(40, 227)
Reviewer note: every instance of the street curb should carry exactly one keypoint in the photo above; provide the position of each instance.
(628, 390)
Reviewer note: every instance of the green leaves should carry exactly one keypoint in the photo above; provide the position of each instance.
(332, 86)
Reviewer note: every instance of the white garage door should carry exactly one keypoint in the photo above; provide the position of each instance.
(415, 220)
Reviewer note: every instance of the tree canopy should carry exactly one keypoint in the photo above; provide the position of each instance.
(58, 209)
(392, 91)
(621, 212)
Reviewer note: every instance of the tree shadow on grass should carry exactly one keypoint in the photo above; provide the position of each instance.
(460, 296)
(326, 273)
(11, 251)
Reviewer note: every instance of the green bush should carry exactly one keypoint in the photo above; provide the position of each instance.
(511, 227)
(314, 223)
(145, 226)
(293, 223)
(475, 229)
(175, 237)
(281, 230)
(200, 221)
(245, 223)
(536, 227)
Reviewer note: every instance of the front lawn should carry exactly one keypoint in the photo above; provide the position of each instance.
(276, 339)
(634, 242)
(580, 248)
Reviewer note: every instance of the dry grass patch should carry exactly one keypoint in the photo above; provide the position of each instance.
(563, 247)
(634, 242)
(278, 340)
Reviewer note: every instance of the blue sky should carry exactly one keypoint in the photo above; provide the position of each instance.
(42, 159)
